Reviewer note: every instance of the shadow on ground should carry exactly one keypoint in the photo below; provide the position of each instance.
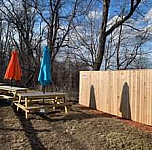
(30, 132)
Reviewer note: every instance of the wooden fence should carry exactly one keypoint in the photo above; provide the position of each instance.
(125, 93)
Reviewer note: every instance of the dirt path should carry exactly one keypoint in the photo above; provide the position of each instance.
(79, 130)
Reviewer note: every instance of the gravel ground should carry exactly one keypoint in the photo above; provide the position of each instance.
(80, 129)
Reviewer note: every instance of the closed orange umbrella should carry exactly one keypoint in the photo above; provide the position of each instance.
(13, 71)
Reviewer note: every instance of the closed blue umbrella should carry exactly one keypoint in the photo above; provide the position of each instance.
(45, 70)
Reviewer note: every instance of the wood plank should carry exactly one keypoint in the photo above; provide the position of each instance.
(102, 78)
(141, 96)
(94, 90)
(2, 84)
(100, 90)
(138, 96)
(12, 88)
(27, 109)
(48, 106)
(115, 96)
(80, 88)
(7, 97)
(21, 106)
(148, 96)
(109, 103)
(144, 110)
(85, 90)
(41, 95)
(124, 101)
(113, 92)
(133, 98)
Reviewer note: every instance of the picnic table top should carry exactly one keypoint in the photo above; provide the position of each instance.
(41, 94)
(12, 88)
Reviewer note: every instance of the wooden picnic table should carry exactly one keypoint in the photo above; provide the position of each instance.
(10, 92)
(33, 101)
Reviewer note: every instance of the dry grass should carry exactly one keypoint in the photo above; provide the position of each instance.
(79, 130)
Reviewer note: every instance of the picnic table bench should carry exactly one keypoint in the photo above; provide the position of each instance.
(10, 92)
(2, 83)
(33, 101)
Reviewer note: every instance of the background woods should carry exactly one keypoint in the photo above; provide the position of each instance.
(81, 34)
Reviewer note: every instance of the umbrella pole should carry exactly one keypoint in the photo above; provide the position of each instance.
(11, 82)
(43, 89)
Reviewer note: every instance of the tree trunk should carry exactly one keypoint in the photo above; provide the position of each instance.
(118, 49)
(102, 38)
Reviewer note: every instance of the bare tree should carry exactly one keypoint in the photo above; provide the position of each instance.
(104, 32)
(21, 19)
(58, 20)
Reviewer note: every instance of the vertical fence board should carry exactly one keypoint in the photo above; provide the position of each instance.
(144, 115)
(115, 96)
(118, 92)
(138, 97)
(84, 88)
(94, 90)
(112, 92)
(102, 91)
(150, 98)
